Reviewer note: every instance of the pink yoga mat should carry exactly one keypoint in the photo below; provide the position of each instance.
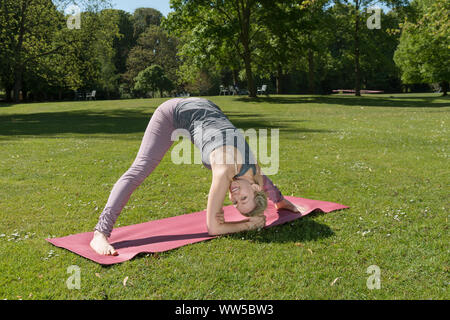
(170, 233)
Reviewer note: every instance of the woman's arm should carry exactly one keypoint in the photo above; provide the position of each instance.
(275, 195)
(272, 192)
(215, 224)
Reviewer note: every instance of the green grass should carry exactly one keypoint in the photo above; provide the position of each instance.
(384, 156)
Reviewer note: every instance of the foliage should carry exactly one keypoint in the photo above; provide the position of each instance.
(293, 46)
(154, 47)
(225, 28)
(423, 54)
(39, 50)
(152, 79)
(145, 17)
(125, 41)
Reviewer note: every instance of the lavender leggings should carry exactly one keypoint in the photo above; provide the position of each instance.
(155, 143)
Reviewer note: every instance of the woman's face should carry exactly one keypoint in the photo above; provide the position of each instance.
(242, 194)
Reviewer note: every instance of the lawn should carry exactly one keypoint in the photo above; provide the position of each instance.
(385, 156)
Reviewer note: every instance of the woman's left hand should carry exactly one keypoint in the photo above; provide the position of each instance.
(286, 204)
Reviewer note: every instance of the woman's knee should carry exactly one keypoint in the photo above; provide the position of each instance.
(140, 170)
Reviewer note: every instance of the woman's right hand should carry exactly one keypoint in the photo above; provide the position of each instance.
(256, 222)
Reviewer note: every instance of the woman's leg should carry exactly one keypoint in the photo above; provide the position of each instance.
(155, 143)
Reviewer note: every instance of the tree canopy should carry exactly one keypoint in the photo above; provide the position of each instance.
(423, 54)
(292, 46)
(152, 79)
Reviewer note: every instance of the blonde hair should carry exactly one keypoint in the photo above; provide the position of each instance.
(260, 205)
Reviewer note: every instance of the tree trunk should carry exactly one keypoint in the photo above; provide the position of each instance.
(279, 80)
(249, 75)
(8, 96)
(17, 83)
(18, 67)
(311, 80)
(245, 40)
(25, 95)
(235, 76)
(357, 66)
(444, 86)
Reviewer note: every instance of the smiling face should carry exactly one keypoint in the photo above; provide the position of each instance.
(242, 195)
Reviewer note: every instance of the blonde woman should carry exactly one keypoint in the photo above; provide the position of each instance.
(224, 151)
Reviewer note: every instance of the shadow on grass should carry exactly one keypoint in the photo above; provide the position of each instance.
(301, 230)
(118, 122)
(6, 104)
(366, 101)
(86, 121)
(157, 239)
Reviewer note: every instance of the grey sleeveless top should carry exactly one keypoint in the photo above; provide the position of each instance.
(209, 128)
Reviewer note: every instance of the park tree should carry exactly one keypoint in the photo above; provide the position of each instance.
(86, 61)
(145, 17)
(152, 79)
(104, 53)
(232, 22)
(154, 46)
(377, 60)
(124, 41)
(311, 37)
(26, 31)
(276, 48)
(31, 33)
(423, 53)
(205, 49)
(356, 14)
(376, 48)
(293, 31)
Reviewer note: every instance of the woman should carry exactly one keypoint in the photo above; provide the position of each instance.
(224, 151)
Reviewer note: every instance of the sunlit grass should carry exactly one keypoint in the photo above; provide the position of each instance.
(384, 156)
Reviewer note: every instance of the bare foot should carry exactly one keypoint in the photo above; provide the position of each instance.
(286, 204)
(101, 245)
